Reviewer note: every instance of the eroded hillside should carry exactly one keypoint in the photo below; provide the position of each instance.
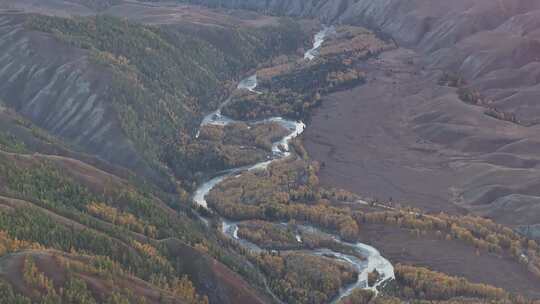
(103, 154)
(74, 79)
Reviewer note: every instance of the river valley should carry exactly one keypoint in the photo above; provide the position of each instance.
(372, 258)
(226, 152)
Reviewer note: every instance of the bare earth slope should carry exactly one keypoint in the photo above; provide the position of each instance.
(63, 94)
(76, 91)
(406, 137)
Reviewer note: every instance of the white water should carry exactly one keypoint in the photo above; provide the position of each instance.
(202, 191)
(216, 118)
(281, 149)
(373, 259)
(317, 43)
(249, 83)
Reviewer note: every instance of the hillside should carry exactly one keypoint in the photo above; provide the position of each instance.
(201, 151)
(127, 234)
(89, 204)
(102, 98)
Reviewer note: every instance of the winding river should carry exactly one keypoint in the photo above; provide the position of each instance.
(318, 42)
(280, 149)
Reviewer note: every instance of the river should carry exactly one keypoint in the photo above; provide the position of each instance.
(280, 149)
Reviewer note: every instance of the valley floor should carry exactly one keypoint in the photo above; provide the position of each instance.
(366, 145)
(372, 140)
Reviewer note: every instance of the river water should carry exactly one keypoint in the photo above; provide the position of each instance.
(280, 149)
(318, 42)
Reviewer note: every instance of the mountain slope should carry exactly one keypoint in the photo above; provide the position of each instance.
(100, 217)
(128, 93)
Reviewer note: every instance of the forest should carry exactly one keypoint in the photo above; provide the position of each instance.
(287, 190)
(290, 86)
(483, 234)
(289, 236)
(423, 286)
(72, 233)
(472, 95)
(49, 214)
(164, 78)
(305, 279)
(235, 145)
